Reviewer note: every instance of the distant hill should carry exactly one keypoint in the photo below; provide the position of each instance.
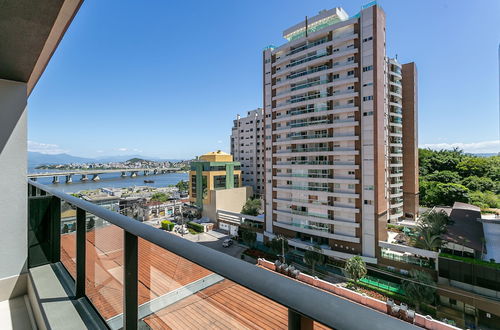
(36, 159)
(486, 154)
(136, 160)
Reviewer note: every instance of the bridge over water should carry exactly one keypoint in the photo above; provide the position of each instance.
(94, 174)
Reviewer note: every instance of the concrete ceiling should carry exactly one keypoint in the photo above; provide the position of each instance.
(30, 31)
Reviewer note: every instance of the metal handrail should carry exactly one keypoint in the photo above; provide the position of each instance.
(285, 291)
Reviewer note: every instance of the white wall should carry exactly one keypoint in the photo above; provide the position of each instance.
(13, 187)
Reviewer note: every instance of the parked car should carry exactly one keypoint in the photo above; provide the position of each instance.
(227, 242)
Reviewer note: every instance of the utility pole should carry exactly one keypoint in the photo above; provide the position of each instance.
(283, 248)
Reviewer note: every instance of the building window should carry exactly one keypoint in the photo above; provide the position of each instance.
(368, 202)
(368, 68)
(193, 186)
(219, 182)
(368, 84)
(236, 180)
(350, 73)
(368, 98)
(369, 187)
(367, 39)
(218, 168)
(368, 113)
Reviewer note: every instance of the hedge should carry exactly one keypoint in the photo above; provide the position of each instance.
(196, 226)
(167, 225)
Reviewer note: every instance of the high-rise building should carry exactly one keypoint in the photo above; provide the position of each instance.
(247, 147)
(340, 134)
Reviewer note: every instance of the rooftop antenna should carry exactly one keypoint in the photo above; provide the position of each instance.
(306, 26)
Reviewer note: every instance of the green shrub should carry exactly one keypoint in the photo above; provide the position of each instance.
(391, 226)
(167, 225)
(196, 226)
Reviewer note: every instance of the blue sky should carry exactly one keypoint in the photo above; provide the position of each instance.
(166, 78)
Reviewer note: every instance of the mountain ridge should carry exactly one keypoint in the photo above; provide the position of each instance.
(37, 158)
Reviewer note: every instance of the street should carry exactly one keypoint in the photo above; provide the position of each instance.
(213, 239)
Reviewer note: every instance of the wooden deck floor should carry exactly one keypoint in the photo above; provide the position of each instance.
(224, 305)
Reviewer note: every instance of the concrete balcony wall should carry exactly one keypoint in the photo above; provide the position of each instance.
(13, 187)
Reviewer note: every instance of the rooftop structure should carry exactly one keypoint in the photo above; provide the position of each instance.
(215, 183)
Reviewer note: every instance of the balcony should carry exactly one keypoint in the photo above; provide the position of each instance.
(320, 204)
(131, 275)
(112, 271)
(336, 39)
(309, 230)
(303, 73)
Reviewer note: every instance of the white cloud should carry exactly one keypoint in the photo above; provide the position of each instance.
(122, 149)
(473, 147)
(45, 148)
(219, 141)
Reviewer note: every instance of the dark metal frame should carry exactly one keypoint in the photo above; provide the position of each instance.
(301, 299)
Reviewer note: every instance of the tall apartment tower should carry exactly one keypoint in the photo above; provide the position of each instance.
(340, 123)
(247, 147)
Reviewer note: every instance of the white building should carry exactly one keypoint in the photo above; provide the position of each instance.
(247, 139)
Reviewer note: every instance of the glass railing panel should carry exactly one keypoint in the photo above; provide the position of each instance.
(68, 237)
(175, 293)
(104, 266)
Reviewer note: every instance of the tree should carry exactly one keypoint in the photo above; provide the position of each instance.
(313, 257)
(420, 289)
(355, 268)
(249, 237)
(475, 183)
(428, 241)
(182, 185)
(431, 161)
(167, 225)
(160, 197)
(435, 221)
(444, 177)
(251, 207)
(279, 245)
(445, 194)
(477, 166)
(485, 199)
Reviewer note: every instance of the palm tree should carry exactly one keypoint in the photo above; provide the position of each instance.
(279, 245)
(427, 240)
(355, 269)
(435, 221)
(421, 288)
(314, 256)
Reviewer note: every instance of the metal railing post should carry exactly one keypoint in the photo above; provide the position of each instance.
(54, 223)
(293, 320)
(80, 252)
(297, 321)
(130, 278)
